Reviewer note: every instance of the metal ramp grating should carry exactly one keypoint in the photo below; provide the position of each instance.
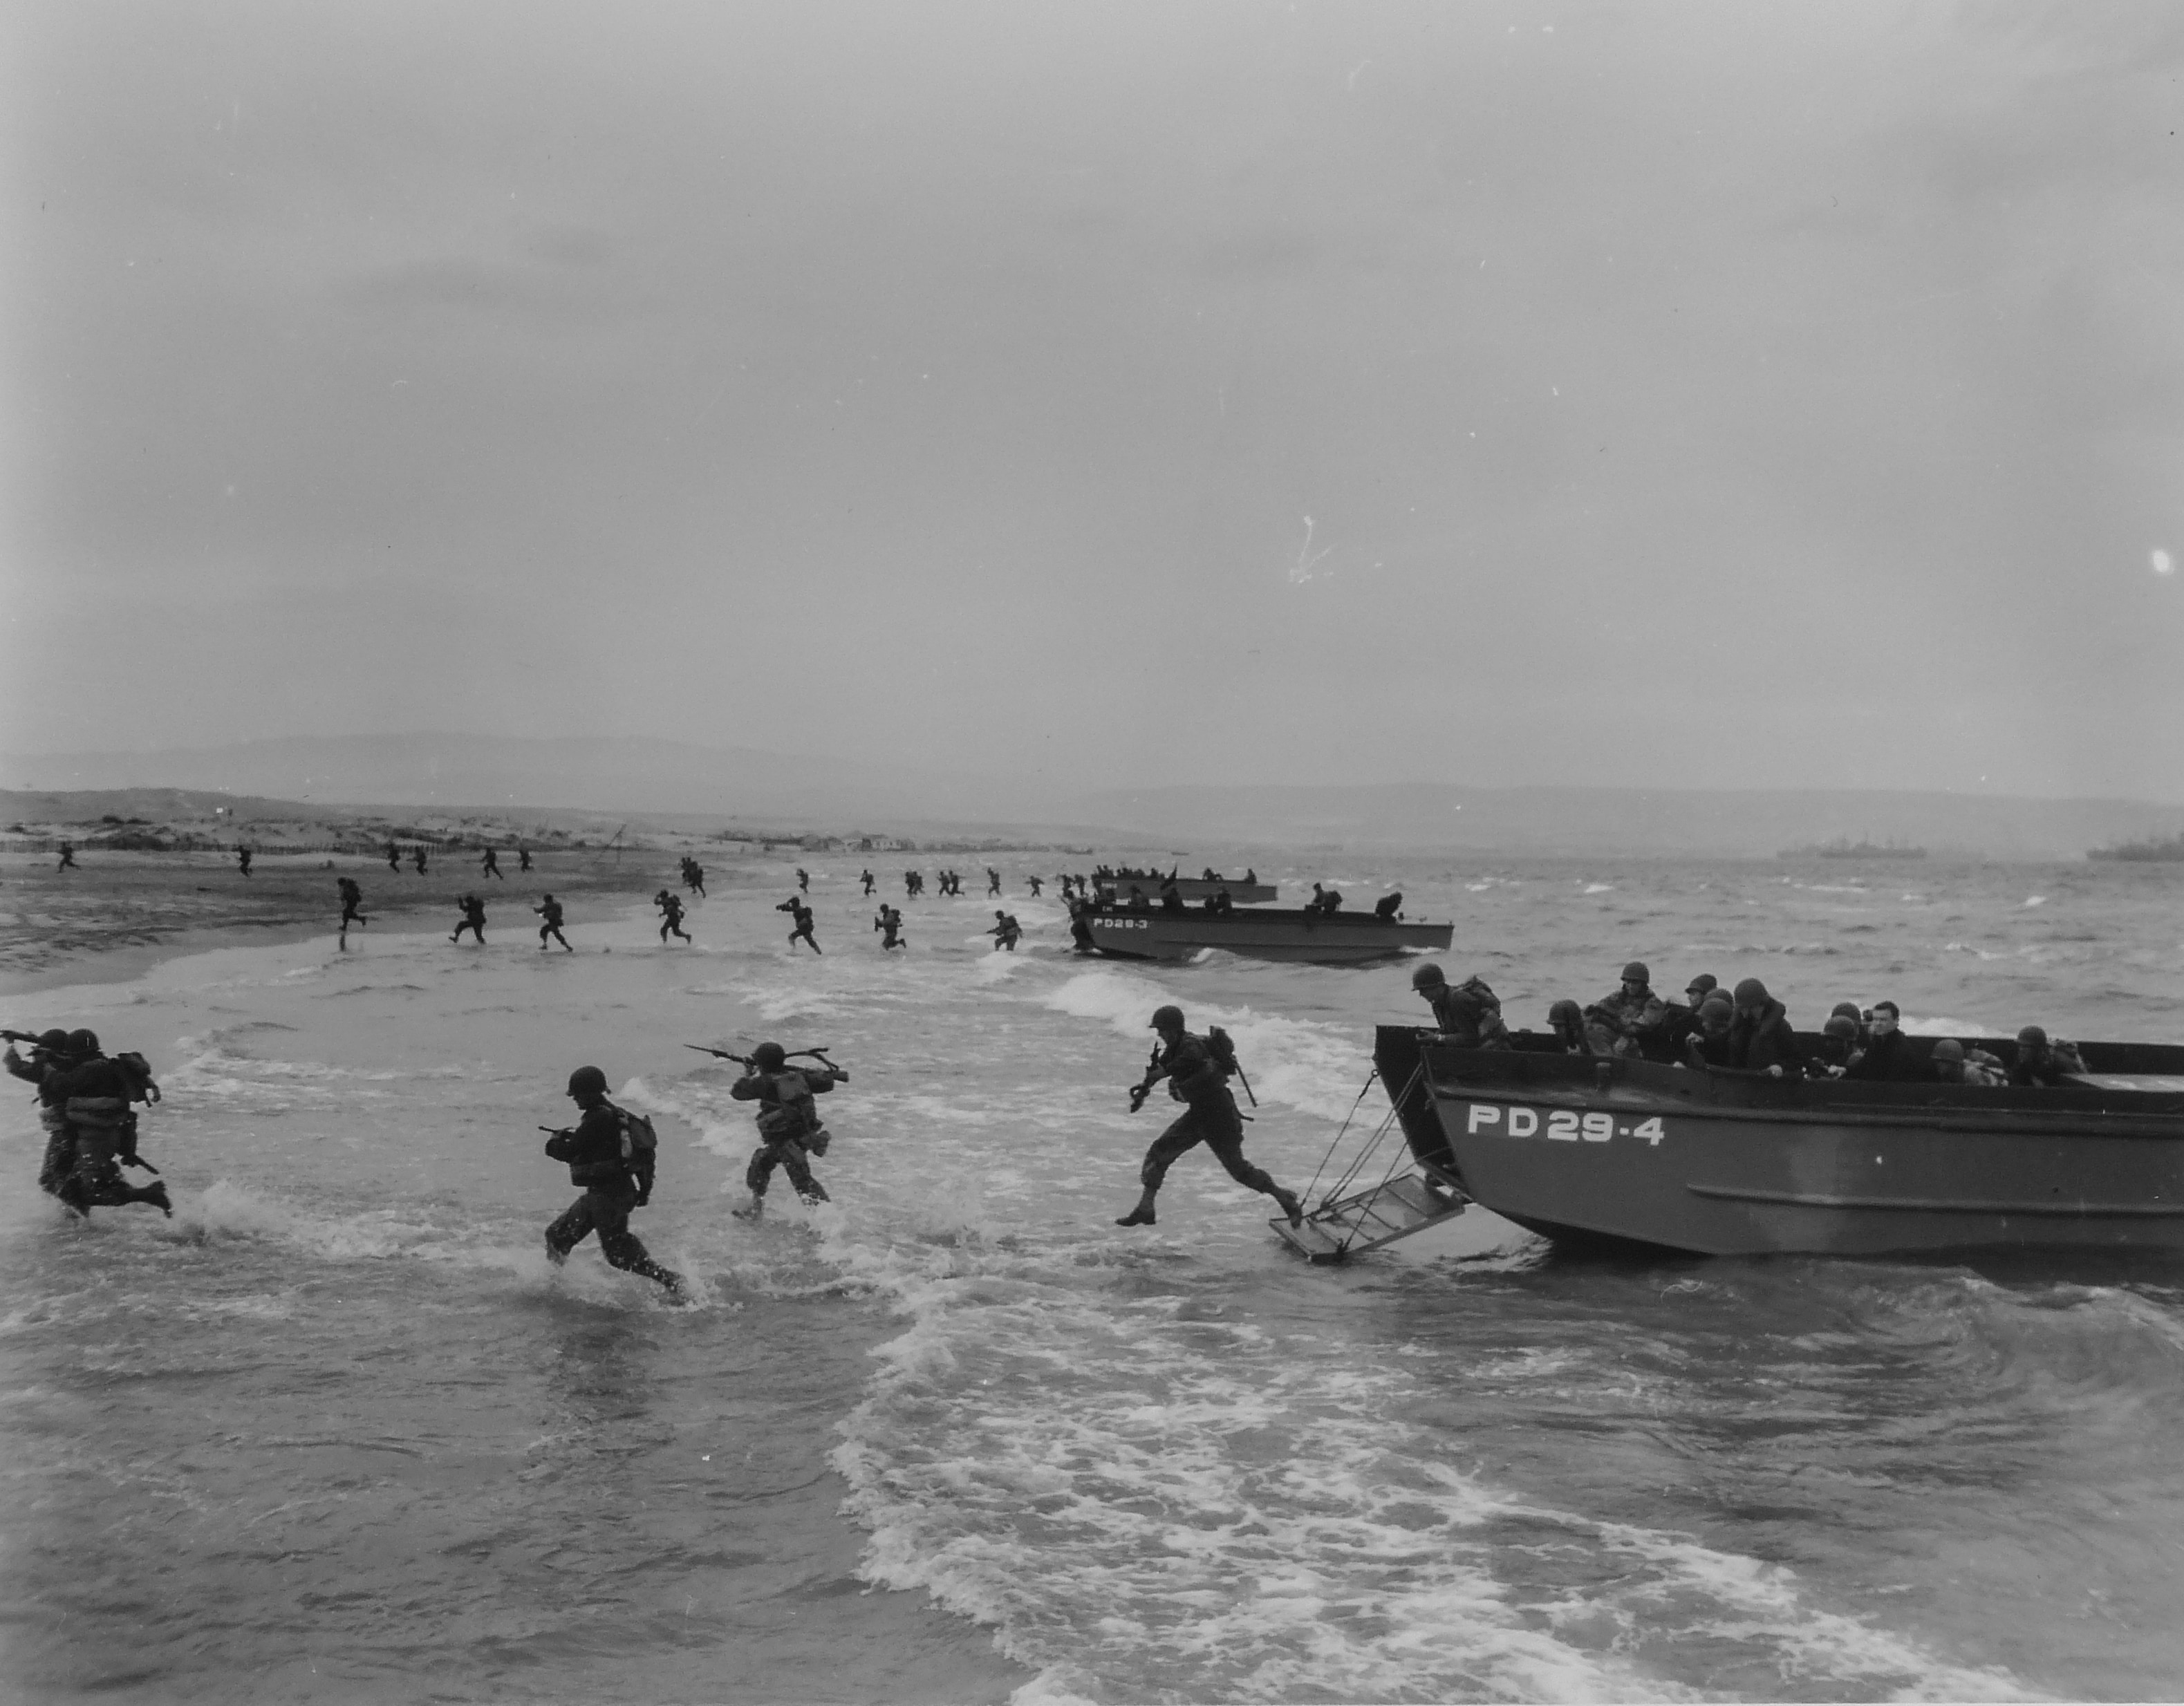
(1366, 1219)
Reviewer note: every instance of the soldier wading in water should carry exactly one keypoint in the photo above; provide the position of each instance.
(788, 1127)
(1197, 1072)
(610, 1155)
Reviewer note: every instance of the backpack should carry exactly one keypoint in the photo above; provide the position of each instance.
(794, 1116)
(1222, 1048)
(640, 1146)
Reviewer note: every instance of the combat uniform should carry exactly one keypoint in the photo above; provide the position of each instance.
(787, 1123)
(1210, 1118)
(597, 1162)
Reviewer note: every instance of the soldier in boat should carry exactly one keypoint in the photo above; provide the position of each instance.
(1888, 1057)
(1630, 1019)
(1469, 1014)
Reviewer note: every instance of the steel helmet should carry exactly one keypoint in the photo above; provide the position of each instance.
(1948, 1048)
(1705, 984)
(83, 1042)
(1752, 992)
(1166, 1019)
(1427, 977)
(587, 1079)
(1839, 1024)
(1636, 972)
(2032, 1036)
(54, 1041)
(769, 1057)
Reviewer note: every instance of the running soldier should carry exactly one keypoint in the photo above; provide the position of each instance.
(549, 914)
(473, 920)
(490, 864)
(523, 859)
(48, 1060)
(242, 860)
(803, 880)
(890, 920)
(670, 914)
(68, 858)
(1197, 1071)
(394, 858)
(993, 883)
(609, 1156)
(352, 900)
(417, 858)
(1006, 931)
(789, 1129)
(94, 1095)
(796, 908)
(865, 878)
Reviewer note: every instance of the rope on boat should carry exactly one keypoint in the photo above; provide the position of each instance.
(1350, 1174)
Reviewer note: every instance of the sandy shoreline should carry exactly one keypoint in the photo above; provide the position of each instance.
(122, 914)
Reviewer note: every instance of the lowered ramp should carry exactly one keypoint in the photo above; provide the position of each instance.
(1366, 1219)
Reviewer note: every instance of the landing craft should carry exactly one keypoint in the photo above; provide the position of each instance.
(1620, 1152)
(1262, 932)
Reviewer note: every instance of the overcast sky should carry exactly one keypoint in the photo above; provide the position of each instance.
(1697, 394)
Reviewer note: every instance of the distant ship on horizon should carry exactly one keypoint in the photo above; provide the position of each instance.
(2150, 852)
(1844, 848)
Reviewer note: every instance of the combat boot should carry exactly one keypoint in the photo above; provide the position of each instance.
(155, 1193)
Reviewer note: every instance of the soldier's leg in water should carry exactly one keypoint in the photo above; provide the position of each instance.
(96, 1180)
(1179, 1139)
(569, 1230)
(800, 1175)
(1228, 1147)
(764, 1160)
(622, 1247)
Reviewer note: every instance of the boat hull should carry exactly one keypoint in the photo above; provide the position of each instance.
(1263, 933)
(1633, 1153)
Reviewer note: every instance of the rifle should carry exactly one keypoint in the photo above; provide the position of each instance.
(1144, 1087)
(18, 1036)
(745, 1061)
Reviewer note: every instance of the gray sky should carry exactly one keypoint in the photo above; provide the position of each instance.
(1707, 395)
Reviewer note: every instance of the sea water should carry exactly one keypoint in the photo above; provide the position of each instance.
(338, 1431)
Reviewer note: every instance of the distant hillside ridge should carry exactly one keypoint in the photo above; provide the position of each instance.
(595, 773)
(1643, 821)
(634, 777)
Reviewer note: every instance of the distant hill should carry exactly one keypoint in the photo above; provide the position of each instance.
(657, 780)
(597, 774)
(1744, 825)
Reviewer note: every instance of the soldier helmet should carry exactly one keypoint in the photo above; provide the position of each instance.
(1427, 977)
(1848, 1010)
(1636, 972)
(1948, 1048)
(1702, 986)
(1716, 1003)
(2032, 1036)
(54, 1041)
(1166, 1019)
(1565, 1012)
(769, 1057)
(1839, 1024)
(1752, 992)
(83, 1042)
(587, 1079)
